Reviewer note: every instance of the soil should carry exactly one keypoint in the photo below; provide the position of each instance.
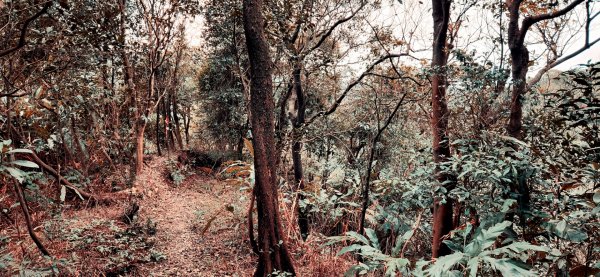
(196, 228)
(183, 212)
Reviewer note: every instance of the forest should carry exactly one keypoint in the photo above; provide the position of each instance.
(300, 138)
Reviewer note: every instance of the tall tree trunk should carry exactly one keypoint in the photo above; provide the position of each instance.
(186, 125)
(297, 147)
(139, 146)
(520, 66)
(520, 58)
(166, 123)
(138, 123)
(83, 155)
(442, 210)
(176, 125)
(158, 148)
(169, 124)
(273, 253)
(173, 96)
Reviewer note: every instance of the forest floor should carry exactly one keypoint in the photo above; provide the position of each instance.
(192, 245)
(196, 228)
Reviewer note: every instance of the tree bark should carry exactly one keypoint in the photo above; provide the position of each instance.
(442, 210)
(520, 66)
(139, 147)
(367, 186)
(158, 148)
(273, 250)
(520, 59)
(297, 147)
(176, 124)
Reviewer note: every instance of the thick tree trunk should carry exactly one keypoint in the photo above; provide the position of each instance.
(273, 253)
(520, 58)
(442, 211)
(520, 66)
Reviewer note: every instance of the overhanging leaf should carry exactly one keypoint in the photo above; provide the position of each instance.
(16, 173)
(24, 151)
(24, 163)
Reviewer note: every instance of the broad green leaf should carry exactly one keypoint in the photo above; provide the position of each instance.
(561, 227)
(511, 139)
(580, 143)
(508, 267)
(473, 265)
(444, 264)
(372, 237)
(359, 269)
(575, 235)
(489, 236)
(474, 247)
(357, 237)
(396, 265)
(508, 203)
(16, 173)
(349, 248)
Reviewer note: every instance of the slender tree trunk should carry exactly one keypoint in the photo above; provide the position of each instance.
(367, 186)
(166, 124)
(176, 125)
(138, 122)
(83, 155)
(139, 147)
(442, 209)
(273, 252)
(68, 153)
(158, 148)
(169, 124)
(520, 59)
(297, 147)
(173, 96)
(186, 126)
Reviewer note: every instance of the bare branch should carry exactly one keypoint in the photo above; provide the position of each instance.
(530, 20)
(327, 33)
(559, 60)
(339, 100)
(556, 62)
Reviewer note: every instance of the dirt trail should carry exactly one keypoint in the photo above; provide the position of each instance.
(182, 212)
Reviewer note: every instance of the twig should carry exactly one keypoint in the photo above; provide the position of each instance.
(24, 208)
